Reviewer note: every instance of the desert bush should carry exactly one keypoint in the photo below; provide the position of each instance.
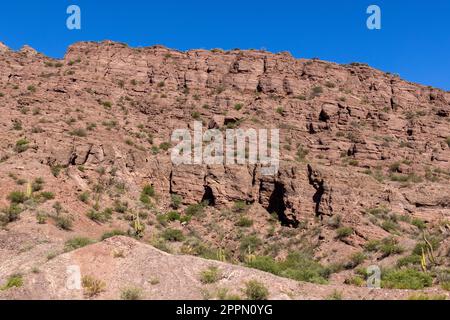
(255, 290)
(344, 232)
(13, 281)
(210, 275)
(410, 260)
(244, 222)
(195, 209)
(21, 145)
(238, 106)
(47, 195)
(173, 235)
(176, 201)
(336, 295)
(37, 184)
(17, 197)
(99, 216)
(390, 246)
(164, 146)
(63, 222)
(422, 296)
(250, 243)
(240, 206)
(92, 286)
(389, 225)
(301, 153)
(84, 197)
(131, 293)
(195, 115)
(10, 213)
(76, 243)
(56, 170)
(297, 266)
(120, 207)
(113, 233)
(148, 190)
(405, 279)
(173, 216)
(41, 218)
(420, 224)
(355, 260)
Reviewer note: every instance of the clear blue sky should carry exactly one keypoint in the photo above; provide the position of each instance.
(414, 40)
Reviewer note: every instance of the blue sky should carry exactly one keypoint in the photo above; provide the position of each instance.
(414, 40)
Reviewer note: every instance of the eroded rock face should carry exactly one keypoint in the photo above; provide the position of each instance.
(364, 133)
(323, 196)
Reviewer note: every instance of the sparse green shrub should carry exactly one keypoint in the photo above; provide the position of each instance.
(195, 115)
(11, 213)
(238, 106)
(173, 235)
(56, 170)
(355, 260)
(17, 197)
(301, 153)
(355, 281)
(244, 222)
(98, 216)
(420, 224)
(92, 286)
(410, 260)
(195, 209)
(31, 88)
(21, 145)
(240, 206)
(389, 225)
(131, 293)
(164, 146)
(37, 185)
(148, 190)
(120, 207)
(41, 218)
(389, 246)
(448, 141)
(280, 110)
(14, 281)
(173, 216)
(255, 290)
(47, 195)
(76, 243)
(405, 279)
(113, 233)
(336, 295)
(84, 197)
(422, 296)
(250, 243)
(63, 222)
(344, 232)
(176, 201)
(107, 104)
(210, 275)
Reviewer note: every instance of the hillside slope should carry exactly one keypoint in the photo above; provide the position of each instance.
(85, 149)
